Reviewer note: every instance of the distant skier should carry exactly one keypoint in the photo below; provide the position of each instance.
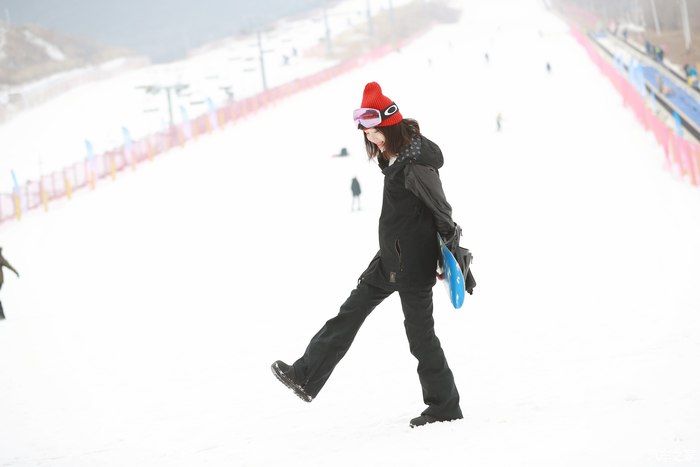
(343, 153)
(549, 67)
(648, 47)
(414, 211)
(356, 191)
(691, 74)
(499, 120)
(4, 264)
(486, 57)
(659, 54)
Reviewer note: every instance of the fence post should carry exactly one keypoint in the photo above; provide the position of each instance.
(18, 205)
(220, 117)
(149, 148)
(693, 165)
(66, 182)
(112, 166)
(42, 195)
(90, 175)
(132, 158)
(180, 136)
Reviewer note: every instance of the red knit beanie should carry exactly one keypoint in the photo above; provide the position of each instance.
(373, 98)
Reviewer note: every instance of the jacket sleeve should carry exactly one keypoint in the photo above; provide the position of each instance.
(424, 182)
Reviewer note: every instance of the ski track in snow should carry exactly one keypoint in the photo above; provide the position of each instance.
(149, 311)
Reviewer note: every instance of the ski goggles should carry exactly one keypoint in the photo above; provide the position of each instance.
(368, 118)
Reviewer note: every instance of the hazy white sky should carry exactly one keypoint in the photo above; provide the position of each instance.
(162, 29)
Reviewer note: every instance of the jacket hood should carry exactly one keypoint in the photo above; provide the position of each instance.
(430, 153)
(422, 151)
(419, 151)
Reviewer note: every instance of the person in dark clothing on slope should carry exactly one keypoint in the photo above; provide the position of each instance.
(356, 191)
(4, 264)
(414, 210)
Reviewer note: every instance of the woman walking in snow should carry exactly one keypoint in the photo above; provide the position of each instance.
(414, 210)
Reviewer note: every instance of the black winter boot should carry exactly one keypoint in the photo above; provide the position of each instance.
(281, 370)
(426, 419)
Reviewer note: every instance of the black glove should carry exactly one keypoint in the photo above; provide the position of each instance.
(463, 257)
(452, 240)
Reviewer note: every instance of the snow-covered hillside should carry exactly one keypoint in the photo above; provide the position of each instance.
(149, 311)
(52, 136)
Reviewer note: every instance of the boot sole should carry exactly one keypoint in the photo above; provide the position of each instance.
(417, 425)
(288, 383)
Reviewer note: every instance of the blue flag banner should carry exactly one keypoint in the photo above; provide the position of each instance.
(92, 160)
(678, 124)
(15, 185)
(127, 138)
(636, 75)
(90, 151)
(186, 126)
(212, 113)
(127, 144)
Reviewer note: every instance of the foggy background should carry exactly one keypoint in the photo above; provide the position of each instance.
(669, 12)
(161, 29)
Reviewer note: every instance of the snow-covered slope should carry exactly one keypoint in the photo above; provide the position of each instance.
(148, 312)
(52, 136)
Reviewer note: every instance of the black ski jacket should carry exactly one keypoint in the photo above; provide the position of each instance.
(414, 209)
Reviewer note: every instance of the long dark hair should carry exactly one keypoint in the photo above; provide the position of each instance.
(397, 136)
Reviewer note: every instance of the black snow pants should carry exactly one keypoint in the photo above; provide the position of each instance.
(331, 343)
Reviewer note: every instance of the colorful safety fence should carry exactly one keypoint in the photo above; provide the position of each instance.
(40, 193)
(682, 157)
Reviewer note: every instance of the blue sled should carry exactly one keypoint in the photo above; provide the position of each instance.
(454, 279)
